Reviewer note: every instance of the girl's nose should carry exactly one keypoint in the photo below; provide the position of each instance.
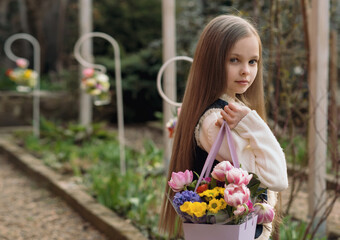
(245, 70)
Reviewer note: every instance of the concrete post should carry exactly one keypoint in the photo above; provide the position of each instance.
(85, 23)
(318, 102)
(169, 51)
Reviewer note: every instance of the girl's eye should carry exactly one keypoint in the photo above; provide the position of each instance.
(253, 62)
(233, 60)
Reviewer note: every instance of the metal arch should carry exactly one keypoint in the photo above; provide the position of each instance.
(36, 67)
(159, 78)
(118, 75)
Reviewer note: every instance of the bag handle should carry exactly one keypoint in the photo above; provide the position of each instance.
(224, 130)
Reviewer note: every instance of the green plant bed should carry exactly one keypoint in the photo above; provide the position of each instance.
(93, 159)
(295, 230)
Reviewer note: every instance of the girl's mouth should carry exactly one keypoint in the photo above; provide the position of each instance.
(242, 82)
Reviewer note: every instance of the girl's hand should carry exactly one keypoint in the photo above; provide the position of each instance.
(232, 114)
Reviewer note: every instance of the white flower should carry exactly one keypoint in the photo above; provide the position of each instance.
(298, 70)
(101, 77)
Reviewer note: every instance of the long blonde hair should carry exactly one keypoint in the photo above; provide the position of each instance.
(206, 83)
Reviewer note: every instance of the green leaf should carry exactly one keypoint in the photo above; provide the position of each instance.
(254, 185)
(213, 183)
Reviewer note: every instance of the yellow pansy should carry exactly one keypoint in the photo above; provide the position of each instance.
(198, 209)
(185, 207)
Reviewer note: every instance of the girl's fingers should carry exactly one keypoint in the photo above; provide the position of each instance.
(225, 115)
(232, 106)
(229, 110)
(219, 122)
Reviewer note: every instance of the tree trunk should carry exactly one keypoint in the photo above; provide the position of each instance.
(27, 48)
(3, 12)
(333, 86)
(60, 34)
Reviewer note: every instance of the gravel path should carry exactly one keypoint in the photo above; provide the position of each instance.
(30, 212)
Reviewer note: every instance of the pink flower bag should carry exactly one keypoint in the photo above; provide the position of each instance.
(244, 231)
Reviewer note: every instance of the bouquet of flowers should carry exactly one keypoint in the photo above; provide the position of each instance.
(25, 78)
(228, 197)
(220, 202)
(97, 85)
(171, 124)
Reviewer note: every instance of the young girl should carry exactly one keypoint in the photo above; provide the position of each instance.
(225, 83)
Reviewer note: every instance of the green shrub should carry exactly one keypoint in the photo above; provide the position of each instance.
(295, 230)
(137, 195)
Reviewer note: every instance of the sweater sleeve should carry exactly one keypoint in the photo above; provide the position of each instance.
(256, 146)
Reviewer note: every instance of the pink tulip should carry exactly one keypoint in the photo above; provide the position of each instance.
(178, 111)
(265, 213)
(235, 195)
(250, 206)
(22, 63)
(207, 180)
(241, 209)
(219, 172)
(88, 72)
(238, 176)
(179, 180)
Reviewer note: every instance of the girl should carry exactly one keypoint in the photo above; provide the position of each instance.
(225, 83)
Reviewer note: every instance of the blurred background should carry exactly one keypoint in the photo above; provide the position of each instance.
(137, 27)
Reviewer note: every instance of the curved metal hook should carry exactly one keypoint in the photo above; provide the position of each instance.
(118, 84)
(159, 78)
(81, 40)
(36, 67)
(32, 40)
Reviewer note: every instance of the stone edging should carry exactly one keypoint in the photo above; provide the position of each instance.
(99, 216)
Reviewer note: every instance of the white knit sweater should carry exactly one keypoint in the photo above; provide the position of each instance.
(257, 149)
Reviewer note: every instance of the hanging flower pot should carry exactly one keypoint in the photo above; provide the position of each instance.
(97, 85)
(25, 78)
(102, 99)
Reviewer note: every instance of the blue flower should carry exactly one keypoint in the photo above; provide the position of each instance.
(185, 196)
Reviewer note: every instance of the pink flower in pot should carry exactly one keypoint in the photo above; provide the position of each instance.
(235, 195)
(180, 180)
(22, 63)
(245, 208)
(265, 213)
(241, 209)
(238, 176)
(88, 72)
(219, 172)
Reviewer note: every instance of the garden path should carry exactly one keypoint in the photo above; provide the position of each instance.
(30, 212)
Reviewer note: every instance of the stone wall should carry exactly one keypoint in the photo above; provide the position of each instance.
(16, 109)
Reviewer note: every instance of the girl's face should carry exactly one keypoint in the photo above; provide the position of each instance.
(241, 65)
